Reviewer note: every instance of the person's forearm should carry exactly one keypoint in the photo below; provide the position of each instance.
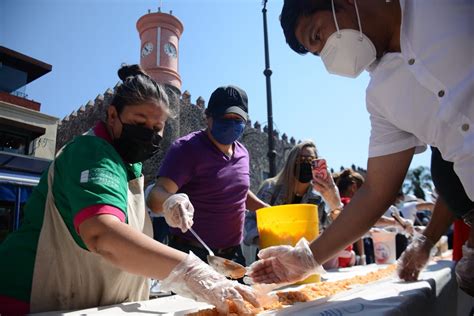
(253, 203)
(360, 247)
(440, 221)
(385, 176)
(425, 206)
(333, 199)
(134, 252)
(386, 221)
(156, 198)
(356, 219)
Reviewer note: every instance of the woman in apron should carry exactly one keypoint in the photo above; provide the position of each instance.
(85, 239)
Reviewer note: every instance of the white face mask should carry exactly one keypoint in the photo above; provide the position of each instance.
(347, 52)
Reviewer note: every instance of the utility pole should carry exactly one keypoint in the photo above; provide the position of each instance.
(268, 72)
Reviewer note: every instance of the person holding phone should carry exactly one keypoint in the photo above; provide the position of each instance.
(295, 184)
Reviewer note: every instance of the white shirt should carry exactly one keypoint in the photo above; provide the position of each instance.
(390, 210)
(409, 210)
(425, 94)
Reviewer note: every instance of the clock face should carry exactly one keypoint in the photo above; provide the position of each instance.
(170, 50)
(147, 49)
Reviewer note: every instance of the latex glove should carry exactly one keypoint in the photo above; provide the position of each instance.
(284, 264)
(414, 258)
(195, 279)
(178, 211)
(409, 229)
(405, 224)
(464, 270)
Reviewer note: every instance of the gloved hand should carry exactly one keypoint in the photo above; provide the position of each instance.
(404, 223)
(414, 258)
(178, 211)
(284, 264)
(409, 229)
(195, 279)
(464, 270)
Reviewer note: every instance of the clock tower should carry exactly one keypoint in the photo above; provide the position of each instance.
(159, 49)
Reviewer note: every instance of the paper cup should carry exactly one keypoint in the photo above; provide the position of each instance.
(384, 247)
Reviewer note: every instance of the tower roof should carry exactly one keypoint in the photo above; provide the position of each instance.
(160, 18)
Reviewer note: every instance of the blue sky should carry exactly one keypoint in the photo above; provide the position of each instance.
(86, 41)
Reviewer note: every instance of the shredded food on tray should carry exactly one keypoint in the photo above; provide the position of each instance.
(308, 293)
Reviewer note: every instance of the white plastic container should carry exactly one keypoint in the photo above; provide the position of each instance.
(384, 246)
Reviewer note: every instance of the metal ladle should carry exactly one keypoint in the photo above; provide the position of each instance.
(224, 266)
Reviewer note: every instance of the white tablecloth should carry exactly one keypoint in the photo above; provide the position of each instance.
(436, 294)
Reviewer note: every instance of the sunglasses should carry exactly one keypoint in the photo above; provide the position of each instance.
(306, 159)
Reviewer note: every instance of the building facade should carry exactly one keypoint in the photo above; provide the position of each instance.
(27, 136)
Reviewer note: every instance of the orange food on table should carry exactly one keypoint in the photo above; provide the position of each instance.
(232, 310)
(307, 293)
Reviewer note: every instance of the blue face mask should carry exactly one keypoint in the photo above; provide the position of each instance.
(227, 131)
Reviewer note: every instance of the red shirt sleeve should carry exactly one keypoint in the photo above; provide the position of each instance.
(95, 210)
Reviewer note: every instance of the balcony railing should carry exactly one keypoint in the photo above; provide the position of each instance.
(20, 94)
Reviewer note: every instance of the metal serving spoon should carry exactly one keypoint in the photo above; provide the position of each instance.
(224, 266)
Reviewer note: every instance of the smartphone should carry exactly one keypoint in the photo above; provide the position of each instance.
(320, 168)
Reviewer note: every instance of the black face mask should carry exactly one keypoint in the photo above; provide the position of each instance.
(306, 172)
(137, 143)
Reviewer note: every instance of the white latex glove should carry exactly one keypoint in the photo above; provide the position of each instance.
(414, 258)
(178, 211)
(464, 270)
(409, 229)
(195, 279)
(284, 264)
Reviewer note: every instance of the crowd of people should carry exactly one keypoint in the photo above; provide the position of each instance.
(86, 239)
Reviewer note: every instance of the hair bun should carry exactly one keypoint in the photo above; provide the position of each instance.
(130, 71)
(345, 173)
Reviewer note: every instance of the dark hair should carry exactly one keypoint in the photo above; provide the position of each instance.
(346, 178)
(137, 87)
(292, 11)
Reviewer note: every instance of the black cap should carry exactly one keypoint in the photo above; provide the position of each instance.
(228, 99)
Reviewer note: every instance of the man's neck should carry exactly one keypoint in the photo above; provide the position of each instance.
(227, 150)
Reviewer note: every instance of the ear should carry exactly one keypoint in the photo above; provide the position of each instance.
(209, 121)
(112, 114)
(354, 187)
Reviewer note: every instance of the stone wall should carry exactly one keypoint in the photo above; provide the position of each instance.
(186, 117)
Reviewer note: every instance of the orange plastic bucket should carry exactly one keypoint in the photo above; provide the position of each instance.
(286, 225)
